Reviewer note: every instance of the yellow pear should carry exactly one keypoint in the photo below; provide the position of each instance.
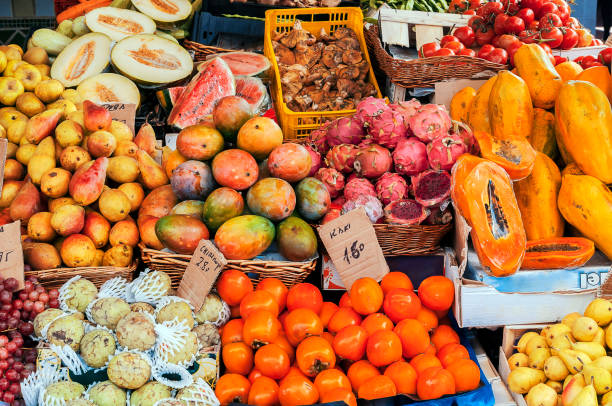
(593, 350)
(600, 337)
(604, 362)
(584, 329)
(518, 360)
(521, 379)
(599, 377)
(608, 336)
(574, 360)
(538, 357)
(555, 369)
(522, 343)
(572, 388)
(586, 397)
(42, 160)
(606, 400)
(556, 330)
(600, 310)
(121, 131)
(556, 385)
(578, 377)
(560, 343)
(569, 319)
(541, 395)
(535, 342)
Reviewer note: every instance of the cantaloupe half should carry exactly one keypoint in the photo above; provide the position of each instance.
(109, 88)
(81, 59)
(150, 59)
(119, 23)
(164, 11)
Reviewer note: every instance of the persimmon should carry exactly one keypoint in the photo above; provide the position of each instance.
(264, 392)
(327, 310)
(431, 349)
(466, 374)
(437, 293)
(423, 361)
(414, 337)
(375, 322)
(366, 296)
(339, 395)
(293, 371)
(384, 347)
(234, 312)
(282, 317)
(345, 301)
(452, 352)
(394, 280)
(297, 390)
(233, 285)
(276, 288)
(443, 335)
(344, 316)
(314, 355)
(254, 374)
(331, 379)
(304, 295)
(359, 372)
(403, 376)
(435, 382)
(377, 387)
(428, 318)
(400, 304)
(232, 388)
(237, 358)
(258, 300)
(281, 341)
(232, 332)
(301, 323)
(272, 361)
(328, 336)
(260, 328)
(350, 343)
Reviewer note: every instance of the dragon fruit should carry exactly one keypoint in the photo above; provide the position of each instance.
(369, 108)
(391, 187)
(430, 122)
(410, 156)
(353, 176)
(366, 142)
(431, 187)
(405, 211)
(467, 136)
(341, 157)
(444, 151)
(358, 187)
(339, 201)
(387, 128)
(315, 157)
(345, 130)
(332, 214)
(318, 138)
(373, 207)
(406, 108)
(372, 161)
(333, 180)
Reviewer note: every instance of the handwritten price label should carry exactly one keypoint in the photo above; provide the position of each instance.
(201, 273)
(126, 113)
(11, 254)
(351, 243)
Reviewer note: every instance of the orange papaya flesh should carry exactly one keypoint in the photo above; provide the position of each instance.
(516, 156)
(462, 168)
(558, 253)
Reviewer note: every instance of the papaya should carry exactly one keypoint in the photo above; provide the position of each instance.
(516, 156)
(558, 253)
(572, 169)
(537, 199)
(542, 137)
(586, 203)
(568, 70)
(460, 104)
(584, 123)
(478, 114)
(538, 72)
(497, 232)
(600, 77)
(462, 168)
(510, 107)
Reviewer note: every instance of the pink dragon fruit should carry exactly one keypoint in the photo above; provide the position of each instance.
(358, 187)
(315, 157)
(353, 176)
(332, 214)
(366, 142)
(318, 138)
(391, 187)
(405, 211)
(387, 128)
(430, 122)
(339, 201)
(406, 108)
(373, 161)
(410, 156)
(373, 207)
(431, 187)
(345, 130)
(467, 136)
(444, 151)
(333, 180)
(341, 157)
(369, 108)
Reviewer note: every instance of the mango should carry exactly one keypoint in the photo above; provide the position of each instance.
(189, 207)
(244, 237)
(296, 239)
(158, 203)
(68, 219)
(98, 258)
(78, 251)
(114, 205)
(146, 228)
(221, 205)
(97, 228)
(181, 233)
(87, 183)
(120, 255)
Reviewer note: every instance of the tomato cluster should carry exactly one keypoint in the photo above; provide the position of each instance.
(288, 347)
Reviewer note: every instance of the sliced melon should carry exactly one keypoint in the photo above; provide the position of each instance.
(109, 88)
(150, 59)
(83, 58)
(119, 23)
(166, 35)
(164, 11)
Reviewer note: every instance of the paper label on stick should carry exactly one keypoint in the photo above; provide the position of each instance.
(126, 113)
(11, 254)
(201, 273)
(351, 243)
(3, 146)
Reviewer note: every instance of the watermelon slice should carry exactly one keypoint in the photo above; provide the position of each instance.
(253, 91)
(246, 63)
(167, 97)
(202, 93)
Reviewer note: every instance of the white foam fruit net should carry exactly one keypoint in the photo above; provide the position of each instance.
(32, 388)
(199, 393)
(165, 373)
(171, 338)
(148, 288)
(65, 294)
(115, 287)
(70, 359)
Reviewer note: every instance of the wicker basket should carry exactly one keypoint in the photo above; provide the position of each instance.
(174, 265)
(396, 239)
(425, 72)
(202, 51)
(55, 278)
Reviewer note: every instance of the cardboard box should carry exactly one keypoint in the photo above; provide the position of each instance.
(446, 90)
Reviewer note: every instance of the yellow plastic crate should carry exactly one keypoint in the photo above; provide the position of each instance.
(296, 124)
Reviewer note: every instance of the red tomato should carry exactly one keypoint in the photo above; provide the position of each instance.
(499, 26)
(564, 11)
(444, 52)
(554, 37)
(559, 59)
(573, 22)
(528, 36)
(546, 48)
(458, 6)
(579, 60)
(470, 12)
(475, 22)
(590, 64)
(490, 10)
(485, 50)
(547, 7)
(605, 56)
(570, 38)
(428, 49)
(514, 25)
(535, 5)
(446, 39)
(401, 304)
(465, 35)
(512, 50)
(484, 35)
(527, 15)
(498, 55)
(454, 46)
(506, 41)
(467, 52)
(550, 20)
(304, 295)
(534, 26)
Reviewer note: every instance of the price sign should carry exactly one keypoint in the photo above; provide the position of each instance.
(126, 113)
(11, 254)
(3, 146)
(351, 243)
(201, 273)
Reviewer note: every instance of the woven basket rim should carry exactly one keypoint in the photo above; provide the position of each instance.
(132, 267)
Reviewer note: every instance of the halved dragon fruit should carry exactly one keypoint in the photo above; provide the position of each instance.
(405, 211)
(431, 187)
(430, 122)
(318, 138)
(333, 180)
(410, 156)
(372, 161)
(372, 206)
(341, 157)
(406, 108)
(369, 108)
(315, 157)
(345, 130)
(443, 151)
(391, 187)
(387, 128)
(358, 187)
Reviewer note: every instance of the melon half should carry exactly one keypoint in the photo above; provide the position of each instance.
(164, 11)
(109, 88)
(119, 23)
(150, 59)
(83, 58)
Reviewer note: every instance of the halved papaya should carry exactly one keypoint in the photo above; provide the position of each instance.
(515, 155)
(558, 253)
(462, 168)
(497, 232)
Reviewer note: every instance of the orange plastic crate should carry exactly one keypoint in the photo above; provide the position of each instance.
(295, 124)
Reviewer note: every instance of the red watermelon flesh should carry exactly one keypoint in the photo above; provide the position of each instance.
(253, 91)
(246, 63)
(168, 97)
(202, 94)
